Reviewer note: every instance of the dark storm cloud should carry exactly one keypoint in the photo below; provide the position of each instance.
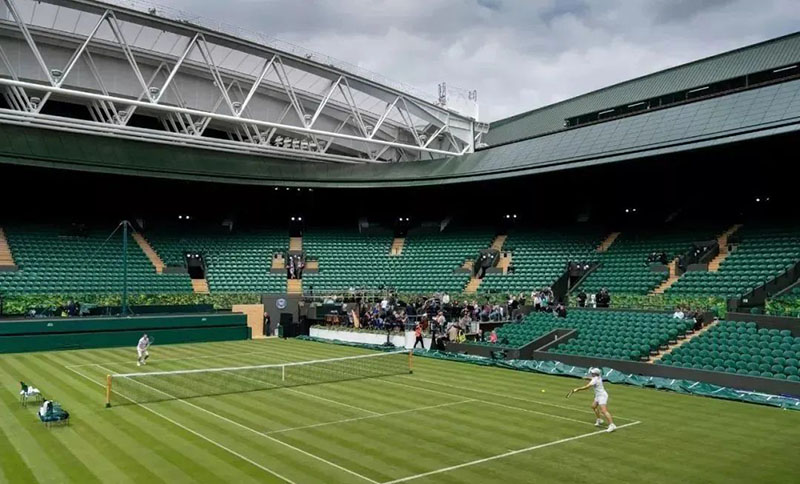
(518, 54)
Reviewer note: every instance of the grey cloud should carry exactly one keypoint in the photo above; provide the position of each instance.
(491, 4)
(679, 10)
(518, 54)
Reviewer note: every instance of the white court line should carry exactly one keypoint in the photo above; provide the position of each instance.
(355, 419)
(330, 401)
(194, 432)
(130, 360)
(507, 454)
(245, 427)
(527, 400)
(492, 403)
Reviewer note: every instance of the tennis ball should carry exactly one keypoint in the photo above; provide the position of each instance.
(542, 390)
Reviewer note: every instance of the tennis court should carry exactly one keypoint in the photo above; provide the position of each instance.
(446, 422)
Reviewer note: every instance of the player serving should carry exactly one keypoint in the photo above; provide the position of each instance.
(600, 403)
(141, 349)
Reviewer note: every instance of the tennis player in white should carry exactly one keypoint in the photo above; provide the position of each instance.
(141, 349)
(600, 403)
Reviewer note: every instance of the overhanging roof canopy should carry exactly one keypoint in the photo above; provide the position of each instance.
(750, 114)
(209, 85)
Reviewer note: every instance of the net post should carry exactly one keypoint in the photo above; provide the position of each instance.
(411, 361)
(108, 391)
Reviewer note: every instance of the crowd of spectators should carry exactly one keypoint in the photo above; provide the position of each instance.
(294, 266)
(658, 258)
(688, 314)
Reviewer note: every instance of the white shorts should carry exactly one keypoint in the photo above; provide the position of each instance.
(142, 352)
(601, 399)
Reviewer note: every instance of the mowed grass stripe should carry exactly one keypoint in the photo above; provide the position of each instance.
(94, 449)
(155, 450)
(221, 464)
(157, 446)
(522, 423)
(725, 441)
(248, 442)
(47, 454)
(12, 464)
(269, 410)
(163, 420)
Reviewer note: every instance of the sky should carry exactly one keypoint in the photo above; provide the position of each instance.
(517, 54)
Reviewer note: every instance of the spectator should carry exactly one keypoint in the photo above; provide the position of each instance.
(452, 333)
(603, 298)
(418, 336)
(440, 319)
(678, 314)
(265, 328)
(698, 320)
(561, 311)
(582, 299)
(493, 337)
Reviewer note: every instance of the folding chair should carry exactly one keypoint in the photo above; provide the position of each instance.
(27, 392)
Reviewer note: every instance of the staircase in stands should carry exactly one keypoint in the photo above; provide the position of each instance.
(200, 286)
(606, 244)
(151, 254)
(672, 279)
(294, 286)
(472, 285)
(6, 257)
(295, 243)
(683, 341)
(497, 244)
(397, 246)
(722, 240)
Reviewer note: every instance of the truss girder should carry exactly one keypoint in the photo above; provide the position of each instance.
(360, 117)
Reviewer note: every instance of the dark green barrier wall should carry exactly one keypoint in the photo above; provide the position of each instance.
(73, 325)
(62, 334)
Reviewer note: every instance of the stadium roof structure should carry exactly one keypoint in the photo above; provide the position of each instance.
(138, 71)
(764, 56)
(747, 93)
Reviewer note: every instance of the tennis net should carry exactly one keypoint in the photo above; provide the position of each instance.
(154, 386)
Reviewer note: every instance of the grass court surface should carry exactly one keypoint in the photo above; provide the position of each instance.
(448, 422)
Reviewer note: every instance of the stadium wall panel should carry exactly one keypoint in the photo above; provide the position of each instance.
(45, 335)
(78, 325)
(730, 380)
(74, 341)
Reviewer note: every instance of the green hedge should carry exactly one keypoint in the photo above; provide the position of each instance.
(783, 307)
(21, 304)
(661, 302)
